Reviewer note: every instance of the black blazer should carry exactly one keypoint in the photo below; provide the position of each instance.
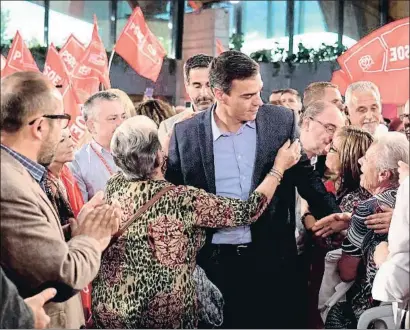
(191, 162)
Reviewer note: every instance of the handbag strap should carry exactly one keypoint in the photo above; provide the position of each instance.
(140, 211)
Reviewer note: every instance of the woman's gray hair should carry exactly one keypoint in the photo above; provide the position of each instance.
(390, 148)
(135, 146)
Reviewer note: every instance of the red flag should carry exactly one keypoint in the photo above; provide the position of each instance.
(19, 58)
(72, 52)
(3, 64)
(219, 47)
(54, 68)
(95, 57)
(383, 58)
(140, 48)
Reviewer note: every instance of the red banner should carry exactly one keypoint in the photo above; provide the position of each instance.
(72, 52)
(19, 58)
(140, 48)
(383, 58)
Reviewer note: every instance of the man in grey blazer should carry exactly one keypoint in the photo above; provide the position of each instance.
(196, 80)
(228, 150)
(34, 254)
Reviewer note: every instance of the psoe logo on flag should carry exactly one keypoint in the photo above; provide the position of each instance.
(135, 29)
(366, 62)
(97, 59)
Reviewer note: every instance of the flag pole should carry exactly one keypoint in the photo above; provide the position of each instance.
(110, 60)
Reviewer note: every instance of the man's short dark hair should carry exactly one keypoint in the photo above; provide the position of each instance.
(291, 91)
(199, 61)
(277, 91)
(229, 66)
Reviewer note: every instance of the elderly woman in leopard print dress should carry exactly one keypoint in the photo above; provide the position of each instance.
(146, 276)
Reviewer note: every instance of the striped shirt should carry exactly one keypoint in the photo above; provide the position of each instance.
(358, 233)
(37, 171)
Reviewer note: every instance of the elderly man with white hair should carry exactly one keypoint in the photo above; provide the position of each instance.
(146, 279)
(380, 177)
(364, 106)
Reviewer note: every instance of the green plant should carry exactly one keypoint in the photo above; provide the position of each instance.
(237, 40)
(4, 19)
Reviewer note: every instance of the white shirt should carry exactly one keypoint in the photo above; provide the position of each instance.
(392, 279)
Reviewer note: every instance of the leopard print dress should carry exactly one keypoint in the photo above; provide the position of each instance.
(145, 279)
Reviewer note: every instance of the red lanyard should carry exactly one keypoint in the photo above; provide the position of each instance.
(102, 159)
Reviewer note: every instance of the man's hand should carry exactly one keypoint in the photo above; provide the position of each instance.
(36, 303)
(333, 223)
(380, 222)
(97, 200)
(101, 223)
(381, 253)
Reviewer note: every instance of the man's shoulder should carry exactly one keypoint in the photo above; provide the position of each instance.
(189, 124)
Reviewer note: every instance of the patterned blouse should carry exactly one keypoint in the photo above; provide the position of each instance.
(361, 242)
(145, 279)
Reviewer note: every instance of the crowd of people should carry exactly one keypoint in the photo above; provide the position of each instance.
(232, 213)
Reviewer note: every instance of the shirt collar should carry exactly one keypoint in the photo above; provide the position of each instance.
(216, 132)
(37, 171)
(98, 147)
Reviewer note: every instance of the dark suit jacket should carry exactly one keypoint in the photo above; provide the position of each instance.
(191, 162)
(14, 313)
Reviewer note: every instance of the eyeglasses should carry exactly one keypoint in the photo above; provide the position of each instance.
(404, 115)
(330, 128)
(332, 148)
(64, 119)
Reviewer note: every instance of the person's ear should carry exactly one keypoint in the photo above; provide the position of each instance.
(90, 126)
(219, 95)
(39, 129)
(385, 175)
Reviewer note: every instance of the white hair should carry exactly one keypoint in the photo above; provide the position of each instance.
(88, 107)
(134, 147)
(361, 87)
(390, 148)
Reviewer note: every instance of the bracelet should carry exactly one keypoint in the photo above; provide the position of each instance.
(274, 170)
(276, 176)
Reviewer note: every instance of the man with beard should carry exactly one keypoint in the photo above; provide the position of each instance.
(404, 117)
(196, 79)
(364, 106)
(34, 254)
(93, 164)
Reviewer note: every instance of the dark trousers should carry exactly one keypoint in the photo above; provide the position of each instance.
(256, 291)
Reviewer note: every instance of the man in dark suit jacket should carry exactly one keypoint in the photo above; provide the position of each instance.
(253, 267)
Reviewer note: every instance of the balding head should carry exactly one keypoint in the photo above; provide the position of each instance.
(31, 110)
(322, 91)
(25, 96)
(319, 123)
